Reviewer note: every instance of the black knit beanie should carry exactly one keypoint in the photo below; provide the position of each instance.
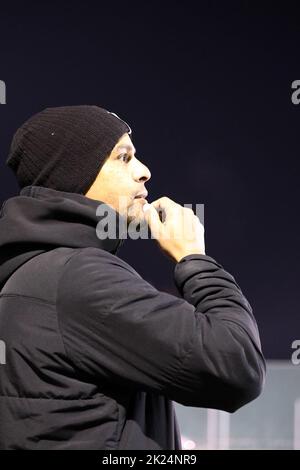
(64, 148)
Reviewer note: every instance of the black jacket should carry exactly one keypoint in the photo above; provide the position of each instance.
(95, 355)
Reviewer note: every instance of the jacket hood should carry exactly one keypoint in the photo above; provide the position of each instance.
(40, 219)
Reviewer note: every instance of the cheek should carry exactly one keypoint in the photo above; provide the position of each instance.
(119, 196)
(121, 185)
(115, 186)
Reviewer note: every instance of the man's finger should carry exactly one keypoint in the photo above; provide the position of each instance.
(152, 219)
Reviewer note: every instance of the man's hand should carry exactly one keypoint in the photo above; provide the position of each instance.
(178, 232)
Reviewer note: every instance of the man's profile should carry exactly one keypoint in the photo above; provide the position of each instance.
(96, 355)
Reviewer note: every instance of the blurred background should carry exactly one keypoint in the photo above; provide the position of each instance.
(270, 422)
(207, 90)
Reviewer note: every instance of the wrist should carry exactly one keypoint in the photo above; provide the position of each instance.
(182, 255)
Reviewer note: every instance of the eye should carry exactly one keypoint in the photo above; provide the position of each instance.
(124, 155)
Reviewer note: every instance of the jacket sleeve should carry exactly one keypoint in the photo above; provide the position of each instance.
(200, 350)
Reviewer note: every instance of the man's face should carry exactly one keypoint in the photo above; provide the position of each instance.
(120, 180)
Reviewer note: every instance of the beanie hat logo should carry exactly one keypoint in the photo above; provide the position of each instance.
(114, 114)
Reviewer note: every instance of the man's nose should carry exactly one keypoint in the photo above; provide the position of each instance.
(142, 173)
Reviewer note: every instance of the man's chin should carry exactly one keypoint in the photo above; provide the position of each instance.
(135, 213)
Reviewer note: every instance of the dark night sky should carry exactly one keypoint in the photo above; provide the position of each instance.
(206, 88)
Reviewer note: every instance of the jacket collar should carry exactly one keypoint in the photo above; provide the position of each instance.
(40, 219)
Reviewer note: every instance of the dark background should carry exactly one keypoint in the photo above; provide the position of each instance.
(206, 88)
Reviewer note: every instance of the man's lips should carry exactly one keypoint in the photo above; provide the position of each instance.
(142, 199)
(142, 195)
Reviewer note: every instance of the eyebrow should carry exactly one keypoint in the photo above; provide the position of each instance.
(127, 147)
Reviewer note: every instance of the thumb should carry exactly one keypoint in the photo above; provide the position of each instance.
(152, 219)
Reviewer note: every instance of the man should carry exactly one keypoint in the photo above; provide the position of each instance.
(95, 354)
